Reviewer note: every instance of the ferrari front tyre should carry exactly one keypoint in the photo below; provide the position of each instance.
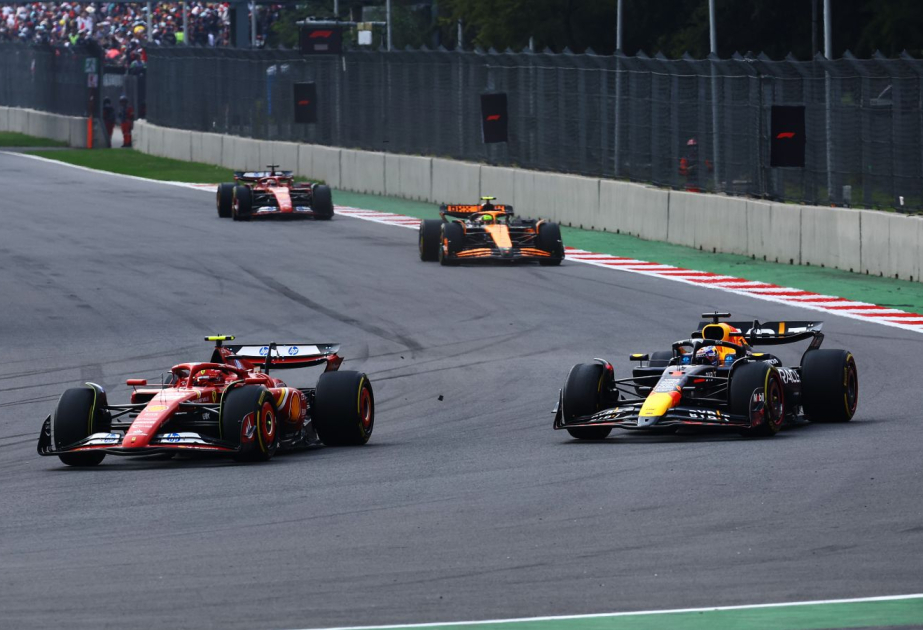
(344, 408)
(80, 413)
(429, 239)
(248, 420)
(224, 200)
(829, 385)
(322, 202)
(582, 396)
(242, 207)
(757, 393)
(452, 239)
(549, 240)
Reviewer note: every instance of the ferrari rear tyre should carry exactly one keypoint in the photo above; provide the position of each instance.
(429, 239)
(322, 202)
(770, 411)
(248, 419)
(344, 409)
(582, 396)
(79, 414)
(224, 200)
(549, 240)
(829, 386)
(451, 237)
(242, 207)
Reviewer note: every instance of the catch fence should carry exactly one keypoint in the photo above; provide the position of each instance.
(682, 124)
(47, 78)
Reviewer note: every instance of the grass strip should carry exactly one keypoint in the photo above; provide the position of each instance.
(130, 162)
(16, 139)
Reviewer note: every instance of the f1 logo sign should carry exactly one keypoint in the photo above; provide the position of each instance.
(494, 121)
(787, 139)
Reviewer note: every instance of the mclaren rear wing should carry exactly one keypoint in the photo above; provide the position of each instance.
(775, 333)
(461, 211)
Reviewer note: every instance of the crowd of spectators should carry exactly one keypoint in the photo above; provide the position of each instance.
(119, 28)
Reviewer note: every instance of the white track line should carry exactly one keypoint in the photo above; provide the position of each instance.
(822, 602)
(860, 311)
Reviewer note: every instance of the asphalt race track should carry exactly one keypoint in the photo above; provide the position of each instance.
(465, 504)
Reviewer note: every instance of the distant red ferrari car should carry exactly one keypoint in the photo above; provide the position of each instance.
(229, 405)
(272, 193)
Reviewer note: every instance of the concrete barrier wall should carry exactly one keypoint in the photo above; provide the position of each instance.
(901, 256)
(500, 182)
(206, 148)
(69, 129)
(831, 237)
(362, 171)
(455, 182)
(408, 176)
(864, 241)
(325, 165)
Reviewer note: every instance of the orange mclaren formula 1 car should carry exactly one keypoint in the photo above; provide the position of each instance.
(229, 405)
(272, 193)
(716, 379)
(488, 232)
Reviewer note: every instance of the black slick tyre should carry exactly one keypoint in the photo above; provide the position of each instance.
(78, 414)
(549, 240)
(745, 382)
(248, 420)
(582, 396)
(242, 207)
(344, 408)
(322, 202)
(829, 386)
(452, 239)
(430, 233)
(224, 199)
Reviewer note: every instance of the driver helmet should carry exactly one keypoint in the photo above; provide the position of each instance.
(487, 218)
(206, 377)
(707, 355)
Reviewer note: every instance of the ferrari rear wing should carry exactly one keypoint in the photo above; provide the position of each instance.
(775, 333)
(275, 355)
(285, 355)
(252, 176)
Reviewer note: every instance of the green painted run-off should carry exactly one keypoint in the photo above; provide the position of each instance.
(905, 613)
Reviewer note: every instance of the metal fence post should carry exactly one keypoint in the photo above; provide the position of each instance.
(616, 128)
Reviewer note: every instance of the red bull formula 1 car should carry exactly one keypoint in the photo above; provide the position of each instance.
(488, 232)
(272, 193)
(716, 379)
(230, 405)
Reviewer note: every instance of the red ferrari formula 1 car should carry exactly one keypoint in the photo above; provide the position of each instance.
(488, 232)
(229, 405)
(272, 193)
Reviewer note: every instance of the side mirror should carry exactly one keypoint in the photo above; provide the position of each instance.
(640, 357)
(254, 381)
(136, 382)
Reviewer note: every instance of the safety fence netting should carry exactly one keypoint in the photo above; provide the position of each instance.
(47, 78)
(683, 124)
